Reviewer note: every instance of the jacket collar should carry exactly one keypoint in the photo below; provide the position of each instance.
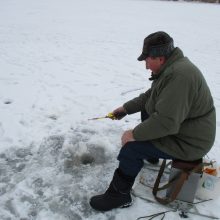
(175, 55)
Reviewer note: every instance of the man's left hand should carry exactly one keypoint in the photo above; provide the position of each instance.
(127, 136)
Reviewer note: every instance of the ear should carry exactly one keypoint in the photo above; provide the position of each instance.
(162, 60)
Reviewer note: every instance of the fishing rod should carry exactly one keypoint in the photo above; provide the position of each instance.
(109, 115)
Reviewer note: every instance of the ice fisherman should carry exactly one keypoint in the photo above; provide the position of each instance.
(178, 119)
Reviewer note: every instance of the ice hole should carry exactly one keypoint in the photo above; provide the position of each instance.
(87, 159)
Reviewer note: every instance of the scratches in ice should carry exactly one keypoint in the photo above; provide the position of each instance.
(131, 90)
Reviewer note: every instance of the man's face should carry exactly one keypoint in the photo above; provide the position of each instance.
(154, 63)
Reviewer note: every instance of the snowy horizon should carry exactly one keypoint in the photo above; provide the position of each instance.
(64, 62)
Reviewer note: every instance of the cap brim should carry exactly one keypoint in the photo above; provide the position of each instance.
(141, 57)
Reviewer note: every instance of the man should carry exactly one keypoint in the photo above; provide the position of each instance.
(178, 119)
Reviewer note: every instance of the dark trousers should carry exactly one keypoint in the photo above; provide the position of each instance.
(133, 153)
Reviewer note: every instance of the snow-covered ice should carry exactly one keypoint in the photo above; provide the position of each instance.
(63, 62)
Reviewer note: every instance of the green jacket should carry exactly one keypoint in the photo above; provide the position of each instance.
(182, 120)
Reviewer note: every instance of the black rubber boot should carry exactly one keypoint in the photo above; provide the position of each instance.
(117, 195)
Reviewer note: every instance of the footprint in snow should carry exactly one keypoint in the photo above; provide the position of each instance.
(8, 101)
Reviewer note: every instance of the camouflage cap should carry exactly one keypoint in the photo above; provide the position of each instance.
(157, 44)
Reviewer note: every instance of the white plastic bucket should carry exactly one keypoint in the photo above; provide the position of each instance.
(208, 187)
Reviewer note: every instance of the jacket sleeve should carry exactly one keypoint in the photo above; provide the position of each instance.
(171, 109)
(137, 104)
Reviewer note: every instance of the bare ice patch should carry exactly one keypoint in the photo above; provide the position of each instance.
(56, 178)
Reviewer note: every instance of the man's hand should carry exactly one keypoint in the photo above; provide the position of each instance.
(126, 137)
(119, 113)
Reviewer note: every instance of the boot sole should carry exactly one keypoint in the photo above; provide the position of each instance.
(126, 205)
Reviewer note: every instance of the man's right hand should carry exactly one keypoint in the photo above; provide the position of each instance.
(119, 113)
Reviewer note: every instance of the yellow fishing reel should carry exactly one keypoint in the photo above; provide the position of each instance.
(111, 116)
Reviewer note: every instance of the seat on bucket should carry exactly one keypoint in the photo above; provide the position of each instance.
(183, 181)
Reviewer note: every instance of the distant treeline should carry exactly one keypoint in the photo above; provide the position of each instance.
(208, 1)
